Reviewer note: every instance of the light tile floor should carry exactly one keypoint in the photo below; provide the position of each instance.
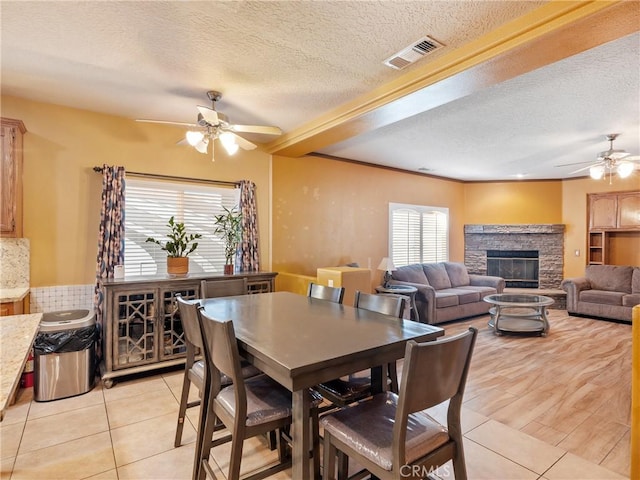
(127, 432)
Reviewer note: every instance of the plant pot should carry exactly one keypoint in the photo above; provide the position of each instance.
(228, 269)
(177, 265)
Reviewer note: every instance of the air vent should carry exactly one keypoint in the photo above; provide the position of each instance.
(412, 53)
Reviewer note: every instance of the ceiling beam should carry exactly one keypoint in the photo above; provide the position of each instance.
(551, 33)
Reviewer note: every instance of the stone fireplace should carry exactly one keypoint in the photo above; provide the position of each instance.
(521, 244)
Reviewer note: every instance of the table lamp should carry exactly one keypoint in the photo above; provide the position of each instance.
(387, 265)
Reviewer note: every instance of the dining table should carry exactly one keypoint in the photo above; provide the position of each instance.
(301, 342)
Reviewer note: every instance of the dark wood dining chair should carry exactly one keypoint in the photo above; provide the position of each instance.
(223, 288)
(322, 292)
(194, 369)
(391, 435)
(353, 388)
(247, 407)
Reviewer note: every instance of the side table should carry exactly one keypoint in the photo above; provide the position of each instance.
(407, 290)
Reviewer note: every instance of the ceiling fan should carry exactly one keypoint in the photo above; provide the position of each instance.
(212, 125)
(609, 161)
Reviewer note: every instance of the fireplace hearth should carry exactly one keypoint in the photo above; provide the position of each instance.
(545, 239)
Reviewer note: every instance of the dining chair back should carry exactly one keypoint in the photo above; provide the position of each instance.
(193, 370)
(223, 288)
(356, 387)
(391, 435)
(247, 407)
(322, 292)
(393, 305)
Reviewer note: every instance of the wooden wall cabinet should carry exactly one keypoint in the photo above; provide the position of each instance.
(11, 177)
(141, 322)
(614, 211)
(11, 308)
(628, 215)
(609, 214)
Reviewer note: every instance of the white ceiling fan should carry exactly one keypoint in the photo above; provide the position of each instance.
(212, 125)
(609, 162)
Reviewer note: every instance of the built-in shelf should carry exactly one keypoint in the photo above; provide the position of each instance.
(610, 214)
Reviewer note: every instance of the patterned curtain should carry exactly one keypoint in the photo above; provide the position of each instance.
(111, 236)
(247, 256)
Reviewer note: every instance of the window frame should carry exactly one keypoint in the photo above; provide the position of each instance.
(420, 210)
(189, 202)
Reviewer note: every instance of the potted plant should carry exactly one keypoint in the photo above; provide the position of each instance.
(229, 229)
(178, 246)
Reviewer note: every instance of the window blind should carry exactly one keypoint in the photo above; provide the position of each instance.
(418, 234)
(148, 206)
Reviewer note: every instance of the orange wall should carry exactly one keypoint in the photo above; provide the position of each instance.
(513, 202)
(328, 213)
(574, 215)
(62, 193)
(313, 212)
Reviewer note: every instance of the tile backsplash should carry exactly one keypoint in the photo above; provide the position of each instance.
(14, 262)
(65, 297)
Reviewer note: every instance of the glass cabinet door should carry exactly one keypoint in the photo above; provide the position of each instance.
(173, 342)
(136, 329)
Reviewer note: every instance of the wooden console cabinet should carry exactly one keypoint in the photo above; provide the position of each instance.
(609, 214)
(141, 327)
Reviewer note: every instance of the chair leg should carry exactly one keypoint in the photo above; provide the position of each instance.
(272, 440)
(329, 458)
(459, 464)
(182, 411)
(236, 458)
(206, 440)
(393, 376)
(281, 445)
(315, 442)
(343, 466)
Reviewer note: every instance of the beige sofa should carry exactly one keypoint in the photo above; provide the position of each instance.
(607, 291)
(446, 291)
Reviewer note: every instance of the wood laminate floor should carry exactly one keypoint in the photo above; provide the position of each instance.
(555, 407)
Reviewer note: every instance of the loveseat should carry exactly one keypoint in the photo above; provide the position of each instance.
(446, 291)
(607, 291)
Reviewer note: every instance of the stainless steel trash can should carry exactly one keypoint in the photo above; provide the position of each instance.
(65, 355)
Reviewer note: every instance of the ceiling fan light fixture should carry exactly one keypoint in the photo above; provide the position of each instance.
(596, 172)
(202, 145)
(194, 137)
(625, 169)
(228, 141)
(232, 149)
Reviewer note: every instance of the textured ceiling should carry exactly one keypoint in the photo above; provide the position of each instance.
(286, 63)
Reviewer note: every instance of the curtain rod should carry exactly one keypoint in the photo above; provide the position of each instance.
(182, 179)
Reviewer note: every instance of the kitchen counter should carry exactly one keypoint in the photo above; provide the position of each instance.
(16, 294)
(17, 333)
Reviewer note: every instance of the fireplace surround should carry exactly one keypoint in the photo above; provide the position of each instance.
(519, 268)
(546, 239)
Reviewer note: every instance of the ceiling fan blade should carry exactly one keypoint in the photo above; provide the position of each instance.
(243, 143)
(183, 124)
(210, 115)
(570, 164)
(583, 169)
(266, 130)
(631, 158)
